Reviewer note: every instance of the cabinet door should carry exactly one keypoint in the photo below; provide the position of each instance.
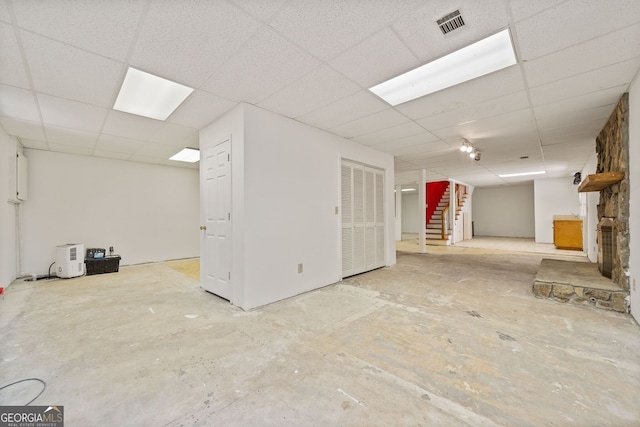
(567, 234)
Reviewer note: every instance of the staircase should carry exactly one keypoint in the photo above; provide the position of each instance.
(436, 233)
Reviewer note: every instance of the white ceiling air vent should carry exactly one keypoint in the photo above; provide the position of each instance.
(450, 22)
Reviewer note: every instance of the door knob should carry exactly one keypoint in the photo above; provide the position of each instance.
(203, 227)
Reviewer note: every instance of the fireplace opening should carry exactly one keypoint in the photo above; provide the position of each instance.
(606, 246)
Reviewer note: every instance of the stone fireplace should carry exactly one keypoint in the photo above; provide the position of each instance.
(612, 147)
(607, 285)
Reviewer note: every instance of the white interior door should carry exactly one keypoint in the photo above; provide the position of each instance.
(215, 259)
(363, 237)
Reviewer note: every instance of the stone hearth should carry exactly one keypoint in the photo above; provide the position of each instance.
(578, 283)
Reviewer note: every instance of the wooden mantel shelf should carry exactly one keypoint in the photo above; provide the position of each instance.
(598, 181)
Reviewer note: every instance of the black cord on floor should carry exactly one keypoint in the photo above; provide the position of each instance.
(44, 386)
(50, 269)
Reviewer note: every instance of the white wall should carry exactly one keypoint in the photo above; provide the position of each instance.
(553, 196)
(410, 213)
(8, 251)
(504, 211)
(589, 209)
(634, 197)
(291, 188)
(146, 212)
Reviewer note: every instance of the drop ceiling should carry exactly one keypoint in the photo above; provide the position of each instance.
(62, 64)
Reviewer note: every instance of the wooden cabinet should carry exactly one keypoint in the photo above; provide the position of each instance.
(567, 232)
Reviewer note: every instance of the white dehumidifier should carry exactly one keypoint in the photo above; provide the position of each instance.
(70, 260)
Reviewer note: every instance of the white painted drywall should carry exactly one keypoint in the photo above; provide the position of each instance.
(8, 250)
(410, 212)
(146, 212)
(590, 211)
(290, 190)
(504, 211)
(634, 197)
(553, 196)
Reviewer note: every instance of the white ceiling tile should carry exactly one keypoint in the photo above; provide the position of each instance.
(71, 149)
(12, 71)
(573, 22)
(619, 74)
(422, 148)
(373, 122)
(352, 107)
(71, 114)
(587, 136)
(117, 144)
(105, 28)
(409, 141)
(175, 135)
(376, 59)
(200, 109)
(521, 9)
(390, 134)
(420, 31)
(584, 116)
(474, 112)
(266, 63)
(600, 98)
(4, 13)
(618, 46)
(588, 128)
(328, 28)
(511, 123)
(253, 49)
(130, 125)
(18, 103)
(260, 9)
(22, 128)
(479, 90)
(315, 90)
(71, 73)
(187, 44)
(70, 137)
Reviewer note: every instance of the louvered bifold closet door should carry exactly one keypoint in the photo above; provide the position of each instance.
(347, 220)
(379, 221)
(362, 218)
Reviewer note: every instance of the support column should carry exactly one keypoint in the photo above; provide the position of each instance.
(422, 205)
(398, 194)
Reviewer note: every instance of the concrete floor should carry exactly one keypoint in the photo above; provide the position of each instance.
(440, 339)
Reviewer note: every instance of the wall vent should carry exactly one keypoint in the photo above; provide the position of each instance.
(450, 22)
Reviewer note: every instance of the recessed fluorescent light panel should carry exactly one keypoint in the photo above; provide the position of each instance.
(187, 155)
(481, 58)
(509, 175)
(150, 96)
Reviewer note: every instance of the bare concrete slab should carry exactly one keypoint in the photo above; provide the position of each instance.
(437, 340)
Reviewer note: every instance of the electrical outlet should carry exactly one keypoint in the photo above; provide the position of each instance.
(300, 268)
(337, 210)
(634, 284)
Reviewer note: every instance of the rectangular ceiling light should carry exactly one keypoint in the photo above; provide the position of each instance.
(486, 56)
(150, 96)
(509, 175)
(190, 155)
